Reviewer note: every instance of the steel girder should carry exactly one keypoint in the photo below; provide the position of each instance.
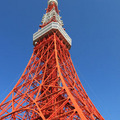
(49, 88)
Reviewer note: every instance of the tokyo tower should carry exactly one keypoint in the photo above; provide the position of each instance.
(49, 88)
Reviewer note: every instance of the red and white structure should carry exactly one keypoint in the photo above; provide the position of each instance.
(49, 88)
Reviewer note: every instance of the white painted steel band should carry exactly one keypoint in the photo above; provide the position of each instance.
(56, 2)
(50, 26)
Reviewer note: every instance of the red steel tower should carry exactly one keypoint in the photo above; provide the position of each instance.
(49, 88)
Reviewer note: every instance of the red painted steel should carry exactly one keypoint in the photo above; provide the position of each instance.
(51, 6)
(49, 88)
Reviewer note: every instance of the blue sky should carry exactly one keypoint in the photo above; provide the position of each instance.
(93, 25)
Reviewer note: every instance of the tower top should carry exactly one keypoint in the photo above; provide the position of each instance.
(51, 22)
(52, 4)
(55, 1)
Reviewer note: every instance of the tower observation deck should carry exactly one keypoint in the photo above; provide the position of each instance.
(49, 88)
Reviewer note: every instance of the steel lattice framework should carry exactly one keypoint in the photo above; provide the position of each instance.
(49, 88)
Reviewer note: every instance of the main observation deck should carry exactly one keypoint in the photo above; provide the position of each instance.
(53, 26)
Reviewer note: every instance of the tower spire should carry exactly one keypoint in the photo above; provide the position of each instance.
(52, 14)
(52, 4)
(51, 1)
